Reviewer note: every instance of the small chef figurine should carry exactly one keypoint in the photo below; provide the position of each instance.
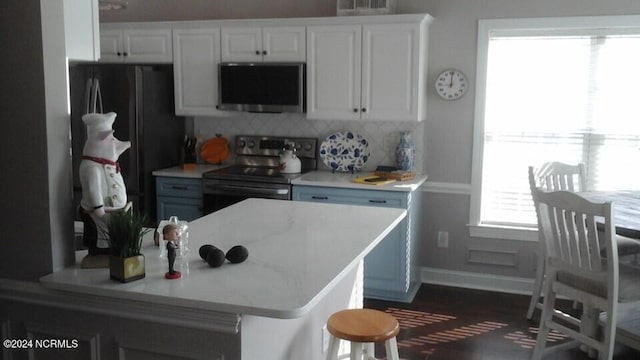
(103, 187)
(171, 233)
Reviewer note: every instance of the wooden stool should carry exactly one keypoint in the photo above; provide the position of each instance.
(363, 328)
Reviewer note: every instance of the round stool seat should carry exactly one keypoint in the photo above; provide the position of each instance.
(363, 325)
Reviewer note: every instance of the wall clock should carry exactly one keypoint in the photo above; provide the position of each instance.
(451, 84)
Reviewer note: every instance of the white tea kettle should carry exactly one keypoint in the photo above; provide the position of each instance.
(289, 161)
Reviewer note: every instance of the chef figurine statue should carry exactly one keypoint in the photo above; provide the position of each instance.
(103, 188)
(171, 233)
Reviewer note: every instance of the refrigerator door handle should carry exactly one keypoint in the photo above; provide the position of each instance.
(97, 98)
(88, 89)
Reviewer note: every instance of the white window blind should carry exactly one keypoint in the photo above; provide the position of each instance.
(569, 98)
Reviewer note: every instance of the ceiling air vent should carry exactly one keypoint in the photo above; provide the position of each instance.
(366, 7)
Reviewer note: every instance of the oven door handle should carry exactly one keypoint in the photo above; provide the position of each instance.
(246, 189)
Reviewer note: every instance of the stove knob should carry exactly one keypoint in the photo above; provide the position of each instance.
(252, 144)
(307, 146)
(242, 143)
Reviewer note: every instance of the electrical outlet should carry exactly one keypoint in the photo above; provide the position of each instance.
(443, 239)
(325, 338)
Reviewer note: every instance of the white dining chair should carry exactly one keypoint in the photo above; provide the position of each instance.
(551, 176)
(577, 269)
(557, 176)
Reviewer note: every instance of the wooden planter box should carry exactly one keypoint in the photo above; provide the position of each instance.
(126, 269)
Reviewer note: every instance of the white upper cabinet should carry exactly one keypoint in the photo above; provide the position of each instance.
(135, 45)
(368, 72)
(284, 43)
(357, 67)
(195, 70)
(257, 44)
(334, 56)
(111, 45)
(391, 65)
(242, 44)
(82, 29)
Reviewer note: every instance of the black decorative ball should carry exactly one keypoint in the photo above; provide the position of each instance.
(204, 250)
(237, 254)
(215, 257)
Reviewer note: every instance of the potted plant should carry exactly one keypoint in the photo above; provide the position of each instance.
(126, 230)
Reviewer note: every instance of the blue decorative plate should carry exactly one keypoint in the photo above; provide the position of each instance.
(345, 151)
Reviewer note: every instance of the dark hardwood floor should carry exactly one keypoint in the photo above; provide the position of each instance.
(446, 323)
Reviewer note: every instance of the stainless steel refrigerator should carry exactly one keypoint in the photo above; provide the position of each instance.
(142, 98)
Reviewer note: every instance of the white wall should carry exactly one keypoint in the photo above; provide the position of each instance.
(154, 10)
(449, 129)
(34, 160)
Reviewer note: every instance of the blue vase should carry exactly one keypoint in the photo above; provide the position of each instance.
(405, 152)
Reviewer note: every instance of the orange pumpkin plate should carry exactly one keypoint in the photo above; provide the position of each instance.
(215, 150)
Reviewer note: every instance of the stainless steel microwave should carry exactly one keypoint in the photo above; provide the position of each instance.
(262, 87)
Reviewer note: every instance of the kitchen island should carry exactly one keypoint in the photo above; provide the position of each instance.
(304, 263)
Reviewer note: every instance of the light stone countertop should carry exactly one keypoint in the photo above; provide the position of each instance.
(312, 178)
(298, 251)
(343, 180)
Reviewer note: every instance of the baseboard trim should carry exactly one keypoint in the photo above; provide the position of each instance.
(469, 280)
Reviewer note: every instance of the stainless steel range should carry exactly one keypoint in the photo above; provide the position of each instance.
(256, 173)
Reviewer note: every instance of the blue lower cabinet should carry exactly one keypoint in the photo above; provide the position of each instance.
(181, 197)
(184, 208)
(390, 271)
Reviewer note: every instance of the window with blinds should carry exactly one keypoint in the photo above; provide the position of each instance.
(571, 96)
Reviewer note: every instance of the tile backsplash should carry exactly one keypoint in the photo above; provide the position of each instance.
(383, 136)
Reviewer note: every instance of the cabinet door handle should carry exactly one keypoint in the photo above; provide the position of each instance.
(119, 53)
(264, 52)
(378, 201)
(320, 197)
(364, 110)
(257, 52)
(125, 54)
(355, 110)
(176, 187)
